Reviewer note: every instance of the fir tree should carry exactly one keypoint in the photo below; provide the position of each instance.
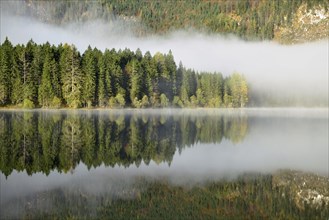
(6, 62)
(46, 92)
(89, 79)
(71, 76)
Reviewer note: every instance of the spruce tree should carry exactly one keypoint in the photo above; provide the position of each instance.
(102, 84)
(89, 78)
(134, 69)
(171, 68)
(146, 68)
(17, 95)
(6, 50)
(71, 76)
(46, 92)
(29, 58)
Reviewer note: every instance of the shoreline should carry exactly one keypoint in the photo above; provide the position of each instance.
(167, 108)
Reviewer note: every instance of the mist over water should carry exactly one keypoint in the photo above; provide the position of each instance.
(275, 139)
(295, 71)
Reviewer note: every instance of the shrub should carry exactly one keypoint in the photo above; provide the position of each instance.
(28, 103)
(145, 102)
(113, 102)
(137, 103)
(56, 102)
(121, 100)
(164, 101)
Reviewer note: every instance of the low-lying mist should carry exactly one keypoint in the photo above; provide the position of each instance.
(293, 139)
(289, 72)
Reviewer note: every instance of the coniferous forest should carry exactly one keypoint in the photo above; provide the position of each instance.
(248, 19)
(48, 76)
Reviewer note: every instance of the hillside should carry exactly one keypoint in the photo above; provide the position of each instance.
(292, 21)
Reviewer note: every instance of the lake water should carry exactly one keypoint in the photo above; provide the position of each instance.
(50, 159)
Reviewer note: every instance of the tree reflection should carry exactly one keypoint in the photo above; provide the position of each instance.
(43, 141)
(72, 140)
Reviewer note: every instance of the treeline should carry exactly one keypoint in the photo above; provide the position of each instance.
(45, 76)
(249, 19)
(43, 141)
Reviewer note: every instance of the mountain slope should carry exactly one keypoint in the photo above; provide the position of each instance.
(285, 21)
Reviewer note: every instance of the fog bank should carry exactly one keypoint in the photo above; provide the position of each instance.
(294, 71)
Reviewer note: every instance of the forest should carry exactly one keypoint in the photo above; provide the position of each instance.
(49, 76)
(248, 19)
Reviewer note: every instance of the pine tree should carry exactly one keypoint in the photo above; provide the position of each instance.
(36, 72)
(171, 68)
(71, 76)
(55, 73)
(162, 75)
(146, 68)
(46, 93)
(179, 78)
(89, 79)
(108, 82)
(102, 84)
(55, 82)
(6, 50)
(17, 95)
(227, 97)
(134, 69)
(124, 77)
(25, 63)
(185, 88)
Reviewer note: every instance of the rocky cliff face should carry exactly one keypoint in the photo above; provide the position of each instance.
(303, 187)
(308, 25)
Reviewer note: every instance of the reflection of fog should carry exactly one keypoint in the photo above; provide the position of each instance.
(112, 162)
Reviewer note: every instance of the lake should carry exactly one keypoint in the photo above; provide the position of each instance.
(164, 163)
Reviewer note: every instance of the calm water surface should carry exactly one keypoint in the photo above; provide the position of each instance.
(103, 152)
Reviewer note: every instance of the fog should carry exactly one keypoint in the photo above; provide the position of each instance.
(288, 71)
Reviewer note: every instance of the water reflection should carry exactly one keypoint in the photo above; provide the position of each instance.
(111, 164)
(43, 141)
